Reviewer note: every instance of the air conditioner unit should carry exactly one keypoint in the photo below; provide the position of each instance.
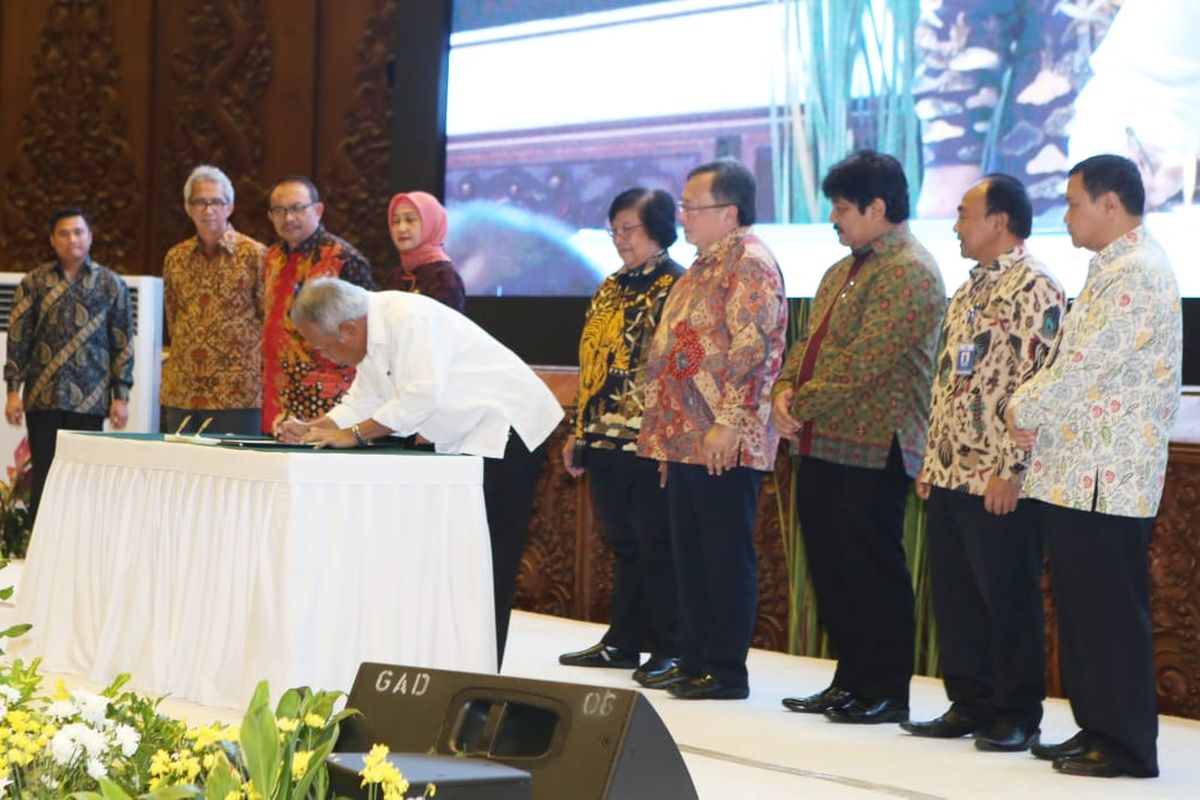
(146, 299)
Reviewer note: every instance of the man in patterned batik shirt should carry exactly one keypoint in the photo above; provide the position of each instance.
(1098, 419)
(212, 295)
(70, 346)
(854, 395)
(298, 381)
(985, 551)
(716, 350)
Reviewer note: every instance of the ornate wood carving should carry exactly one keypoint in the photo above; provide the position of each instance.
(357, 181)
(547, 582)
(218, 79)
(1175, 586)
(74, 147)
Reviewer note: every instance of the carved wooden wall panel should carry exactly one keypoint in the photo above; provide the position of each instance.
(111, 104)
(354, 122)
(75, 143)
(1175, 586)
(214, 62)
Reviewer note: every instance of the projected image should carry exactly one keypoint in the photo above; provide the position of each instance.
(556, 106)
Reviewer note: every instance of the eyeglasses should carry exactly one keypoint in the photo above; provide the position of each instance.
(624, 231)
(207, 202)
(296, 209)
(686, 209)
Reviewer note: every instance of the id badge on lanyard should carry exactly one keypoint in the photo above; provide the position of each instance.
(964, 363)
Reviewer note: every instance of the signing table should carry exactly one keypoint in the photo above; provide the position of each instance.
(201, 570)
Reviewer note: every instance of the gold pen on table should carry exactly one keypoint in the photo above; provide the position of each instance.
(182, 425)
(204, 425)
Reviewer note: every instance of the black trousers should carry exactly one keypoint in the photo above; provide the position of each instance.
(711, 519)
(43, 428)
(852, 521)
(987, 600)
(247, 421)
(1100, 577)
(509, 486)
(632, 511)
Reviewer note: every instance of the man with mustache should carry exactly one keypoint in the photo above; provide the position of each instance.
(854, 395)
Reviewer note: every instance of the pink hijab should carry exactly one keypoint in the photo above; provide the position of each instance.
(433, 228)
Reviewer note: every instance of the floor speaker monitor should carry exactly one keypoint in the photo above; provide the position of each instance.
(577, 741)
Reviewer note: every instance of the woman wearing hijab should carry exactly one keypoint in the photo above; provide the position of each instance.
(417, 222)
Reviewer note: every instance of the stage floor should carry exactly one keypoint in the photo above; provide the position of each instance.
(756, 749)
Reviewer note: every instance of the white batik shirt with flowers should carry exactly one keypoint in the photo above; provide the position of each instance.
(1104, 406)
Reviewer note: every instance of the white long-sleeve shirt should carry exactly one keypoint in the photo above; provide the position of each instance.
(430, 370)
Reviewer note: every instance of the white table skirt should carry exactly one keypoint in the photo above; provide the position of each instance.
(201, 570)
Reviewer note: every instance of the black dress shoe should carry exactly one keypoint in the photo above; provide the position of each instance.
(865, 711)
(675, 674)
(1075, 746)
(707, 687)
(601, 655)
(653, 668)
(1006, 737)
(1096, 764)
(819, 703)
(950, 725)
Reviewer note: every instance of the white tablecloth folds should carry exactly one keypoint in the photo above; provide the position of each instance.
(201, 570)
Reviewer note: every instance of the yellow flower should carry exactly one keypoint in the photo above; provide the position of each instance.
(205, 737)
(60, 690)
(300, 761)
(160, 763)
(19, 758)
(235, 795)
(231, 733)
(287, 724)
(26, 743)
(18, 719)
(314, 720)
(209, 761)
(49, 729)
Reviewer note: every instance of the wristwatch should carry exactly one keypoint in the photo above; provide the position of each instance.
(358, 437)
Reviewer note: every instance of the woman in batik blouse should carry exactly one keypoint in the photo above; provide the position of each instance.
(629, 502)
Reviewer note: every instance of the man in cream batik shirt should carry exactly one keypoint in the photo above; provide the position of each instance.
(985, 550)
(1098, 418)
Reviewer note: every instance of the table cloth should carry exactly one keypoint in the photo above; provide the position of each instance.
(200, 570)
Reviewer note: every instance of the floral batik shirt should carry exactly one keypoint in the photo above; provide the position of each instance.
(870, 373)
(1104, 406)
(297, 380)
(716, 350)
(214, 309)
(70, 342)
(612, 353)
(999, 330)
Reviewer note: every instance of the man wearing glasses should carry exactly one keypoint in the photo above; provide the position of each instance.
(715, 353)
(298, 381)
(212, 295)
